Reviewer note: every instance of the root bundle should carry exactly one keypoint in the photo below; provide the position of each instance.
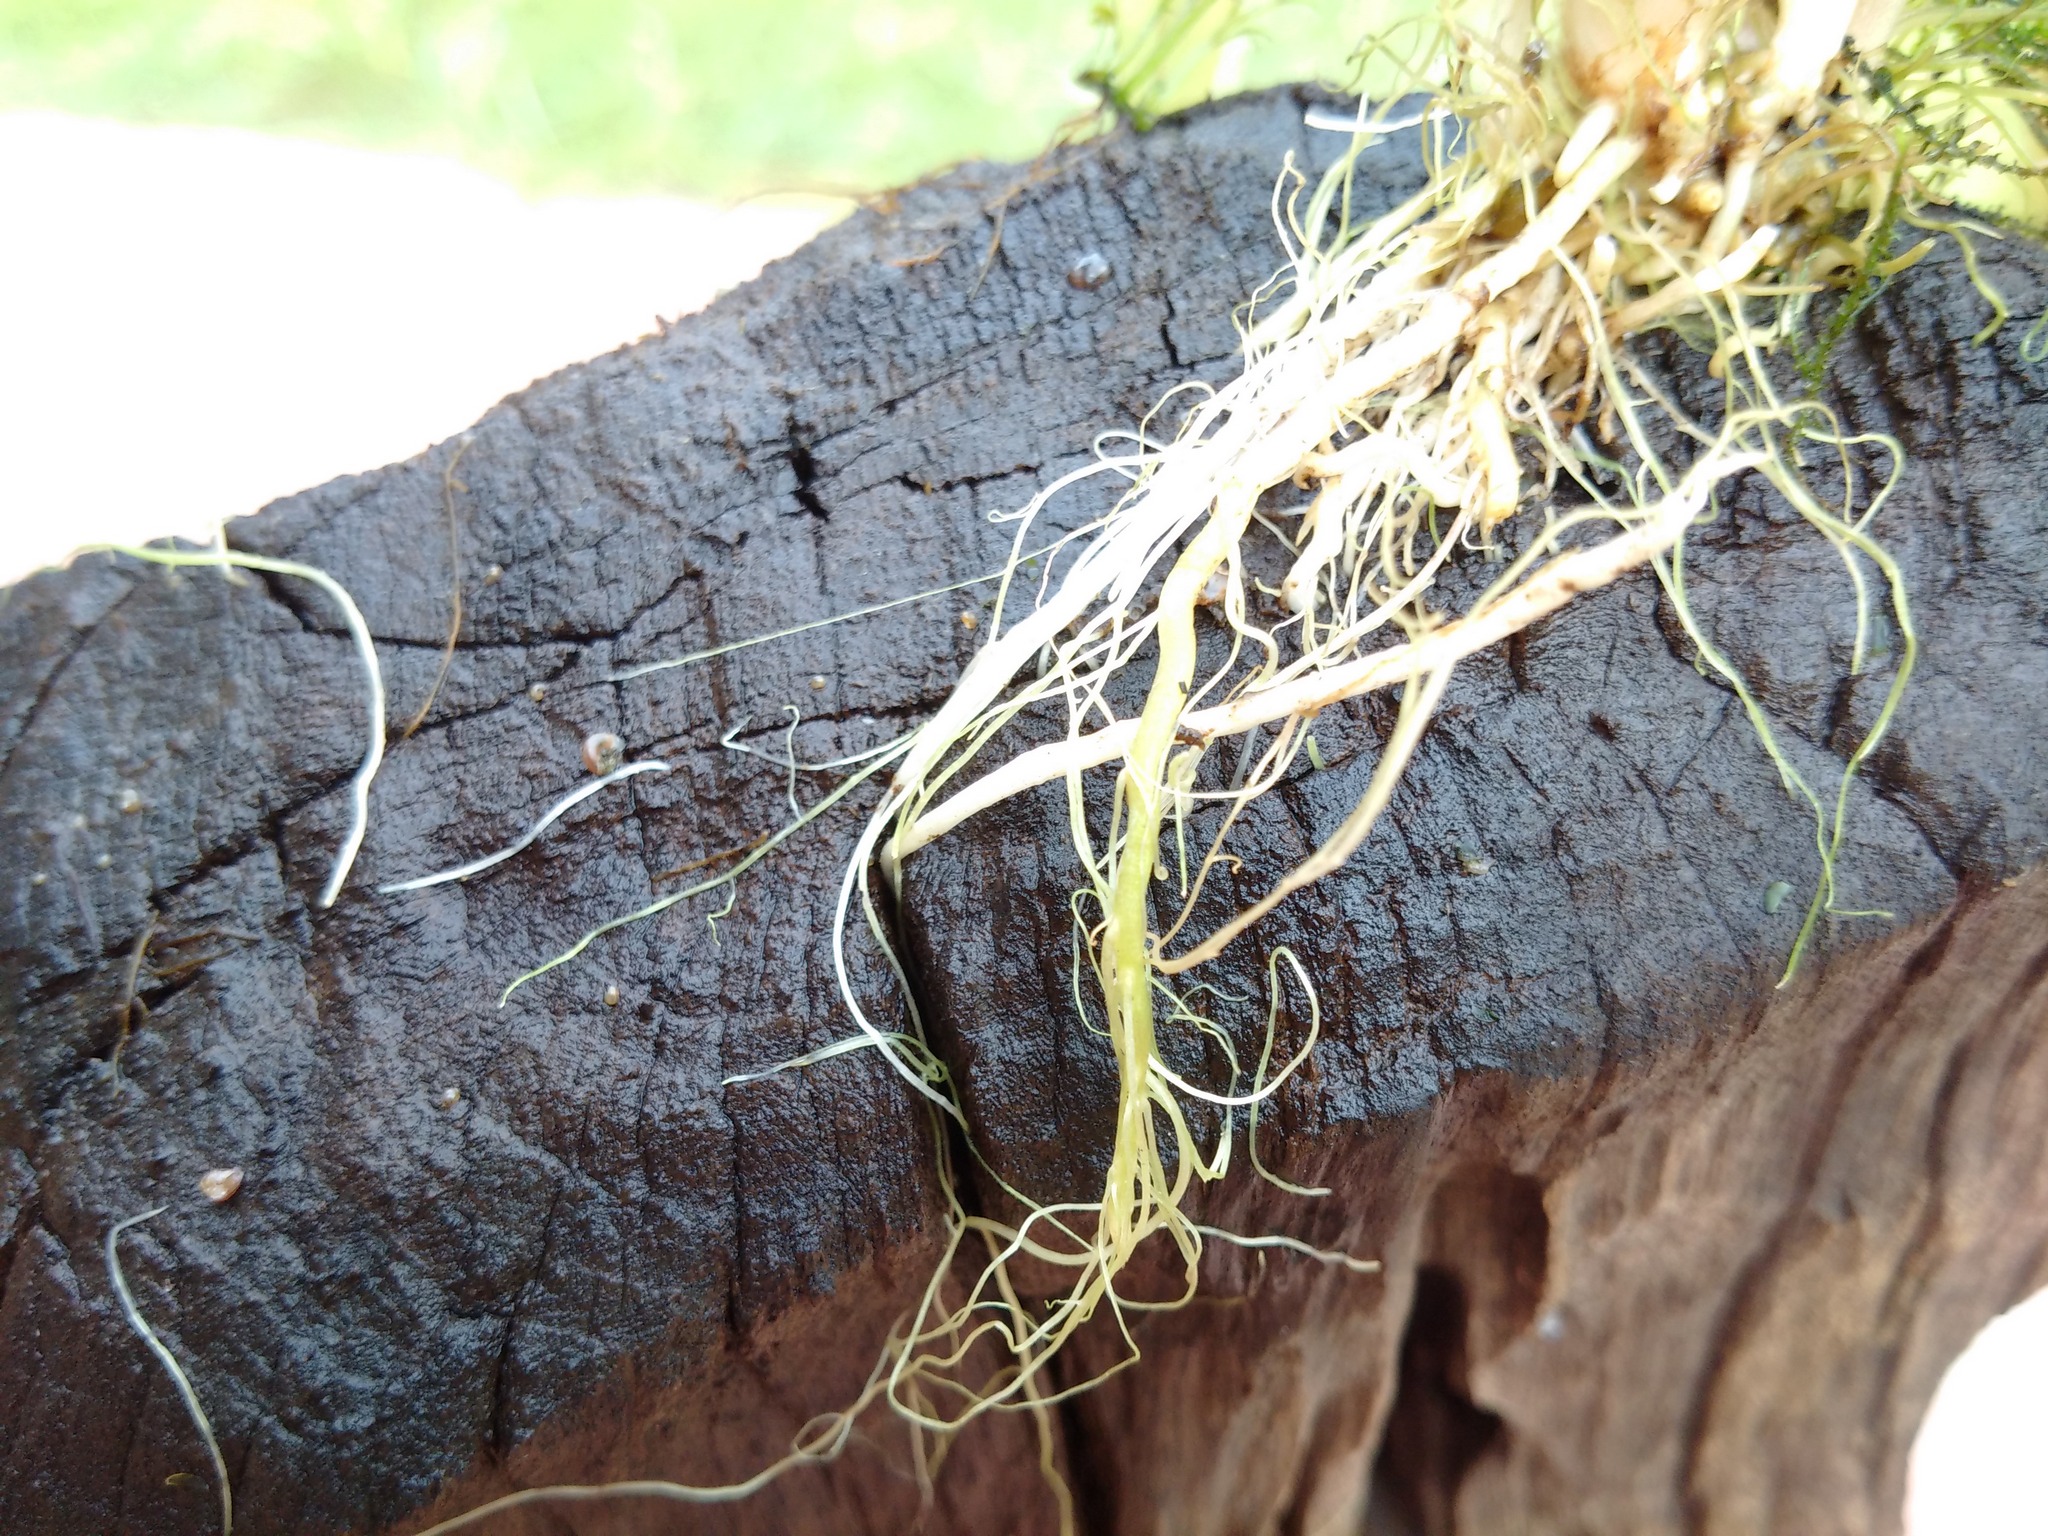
(1452, 381)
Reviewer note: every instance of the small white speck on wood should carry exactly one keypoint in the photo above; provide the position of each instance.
(220, 1185)
(601, 752)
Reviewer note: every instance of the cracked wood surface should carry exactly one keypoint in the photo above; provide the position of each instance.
(1665, 1251)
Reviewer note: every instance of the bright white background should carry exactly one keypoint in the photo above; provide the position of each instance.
(196, 320)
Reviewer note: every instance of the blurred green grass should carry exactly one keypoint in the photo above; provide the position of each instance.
(715, 100)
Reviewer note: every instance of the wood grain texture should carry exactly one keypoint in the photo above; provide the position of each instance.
(1665, 1250)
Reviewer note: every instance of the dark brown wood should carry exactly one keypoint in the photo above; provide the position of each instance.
(1666, 1250)
(1708, 1292)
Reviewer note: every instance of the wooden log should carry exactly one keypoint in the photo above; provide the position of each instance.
(1665, 1250)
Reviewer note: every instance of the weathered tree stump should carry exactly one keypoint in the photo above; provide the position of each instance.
(1666, 1250)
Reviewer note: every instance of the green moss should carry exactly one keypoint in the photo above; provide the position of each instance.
(1812, 352)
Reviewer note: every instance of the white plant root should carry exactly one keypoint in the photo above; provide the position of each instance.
(1437, 379)
(1441, 359)
(222, 558)
(548, 818)
(1554, 584)
(139, 1325)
